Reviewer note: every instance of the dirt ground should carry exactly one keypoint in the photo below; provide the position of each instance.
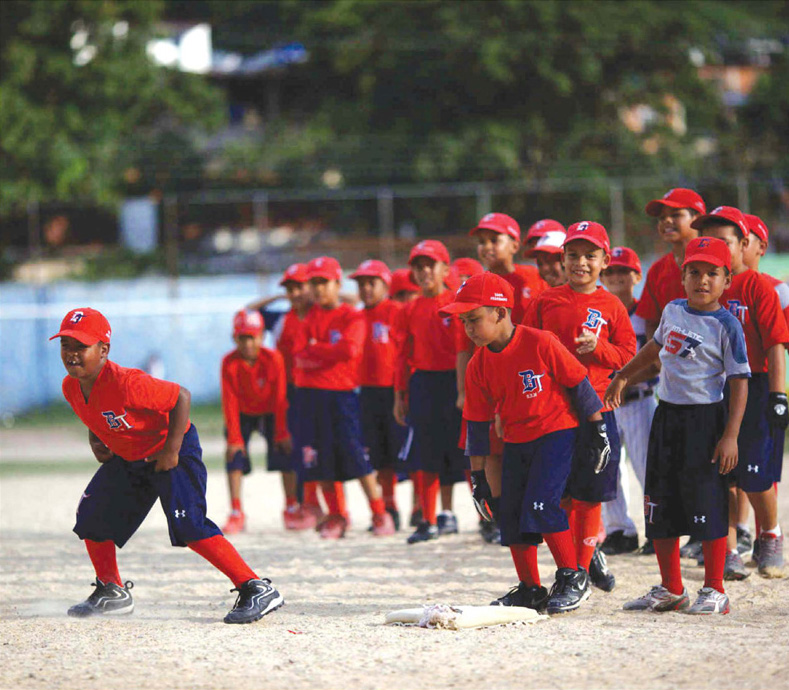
(330, 634)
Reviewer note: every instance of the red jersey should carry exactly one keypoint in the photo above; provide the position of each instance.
(526, 383)
(429, 342)
(291, 325)
(380, 344)
(328, 349)
(567, 313)
(254, 389)
(782, 290)
(664, 284)
(754, 301)
(526, 284)
(127, 409)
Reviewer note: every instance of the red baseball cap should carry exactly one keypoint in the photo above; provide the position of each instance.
(247, 323)
(626, 258)
(757, 226)
(501, 223)
(432, 249)
(709, 249)
(86, 325)
(402, 282)
(295, 273)
(552, 242)
(543, 226)
(482, 290)
(725, 213)
(467, 267)
(591, 232)
(324, 267)
(372, 268)
(677, 198)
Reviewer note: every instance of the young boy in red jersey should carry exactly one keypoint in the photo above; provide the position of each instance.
(254, 398)
(693, 438)
(540, 390)
(426, 386)
(327, 355)
(383, 436)
(140, 432)
(465, 268)
(595, 327)
(752, 299)
(547, 253)
(403, 289)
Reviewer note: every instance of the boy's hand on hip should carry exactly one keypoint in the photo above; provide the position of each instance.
(165, 460)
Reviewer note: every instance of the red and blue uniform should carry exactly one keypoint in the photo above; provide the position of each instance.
(663, 285)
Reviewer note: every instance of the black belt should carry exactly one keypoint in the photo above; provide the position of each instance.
(637, 394)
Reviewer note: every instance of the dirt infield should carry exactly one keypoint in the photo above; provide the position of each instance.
(330, 632)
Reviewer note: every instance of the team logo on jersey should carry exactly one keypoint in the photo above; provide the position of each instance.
(309, 456)
(76, 317)
(527, 292)
(334, 337)
(116, 421)
(447, 321)
(594, 320)
(682, 343)
(738, 309)
(380, 332)
(532, 383)
(649, 509)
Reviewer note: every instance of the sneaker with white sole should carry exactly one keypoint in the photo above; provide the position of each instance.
(425, 532)
(709, 601)
(530, 597)
(447, 523)
(659, 599)
(255, 599)
(734, 568)
(771, 555)
(108, 599)
(570, 589)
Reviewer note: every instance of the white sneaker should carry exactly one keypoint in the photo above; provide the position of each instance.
(710, 601)
(659, 599)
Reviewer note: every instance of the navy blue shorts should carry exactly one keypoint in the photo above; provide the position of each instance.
(329, 436)
(756, 468)
(264, 425)
(684, 492)
(436, 424)
(122, 493)
(584, 484)
(382, 436)
(533, 480)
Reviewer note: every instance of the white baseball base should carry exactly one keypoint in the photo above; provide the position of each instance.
(459, 617)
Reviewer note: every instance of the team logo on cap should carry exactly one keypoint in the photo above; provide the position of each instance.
(532, 383)
(77, 316)
(668, 193)
(618, 251)
(703, 242)
(582, 226)
(498, 297)
(488, 217)
(717, 211)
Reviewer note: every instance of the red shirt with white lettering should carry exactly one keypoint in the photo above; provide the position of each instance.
(254, 389)
(663, 284)
(127, 409)
(754, 301)
(568, 313)
(526, 383)
(328, 349)
(429, 342)
(380, 344)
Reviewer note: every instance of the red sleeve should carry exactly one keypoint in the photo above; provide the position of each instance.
(531, 315)
(478, 405)
(230, 407)
(766, 304)
(404, 350)
(147, 393)
(620, 347)
(347, 347)
(281, 432)
(563, 365)
(462, 341)
(648, 307)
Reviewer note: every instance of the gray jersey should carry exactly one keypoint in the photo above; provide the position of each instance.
(698, 352)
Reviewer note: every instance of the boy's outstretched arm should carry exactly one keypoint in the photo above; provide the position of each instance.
(646, 356)
(167, 457)
(726, 451)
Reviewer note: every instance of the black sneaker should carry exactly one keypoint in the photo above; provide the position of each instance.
(490, 532)
(416, 517)
(692, 549)
(648, 549)
(569, 590)
(255, 599)
(395, 517)
(107, 599)
(599, 574)
(447, 523)
(616, 543)
(425, 532)
(533, 597)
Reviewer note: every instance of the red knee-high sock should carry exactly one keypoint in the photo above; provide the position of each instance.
(339, 489)
(311, 494)
(220, 553)
(714, 563)
(667, 552)
(102, 555)
(388, 480)
(524, 556)
(586, 527)
(430, 489)
(330, 496)
(562, 549)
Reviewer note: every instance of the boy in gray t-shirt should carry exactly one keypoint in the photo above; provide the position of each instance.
(701, 346)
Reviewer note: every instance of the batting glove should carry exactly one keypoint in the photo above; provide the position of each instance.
(600, 447)
(777, 411)
(481, 493)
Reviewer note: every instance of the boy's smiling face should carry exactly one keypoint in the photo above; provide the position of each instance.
(620, 281)
(372, 290)
(82, 361)
(549, 266)
(495, 249)
(325, 293)
(583, 262)
(429, 275)
(673, 224)
(299, 294)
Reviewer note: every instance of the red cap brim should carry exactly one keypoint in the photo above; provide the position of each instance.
(655, 207)
(706, 258)
(83, 337)
(458, 308)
